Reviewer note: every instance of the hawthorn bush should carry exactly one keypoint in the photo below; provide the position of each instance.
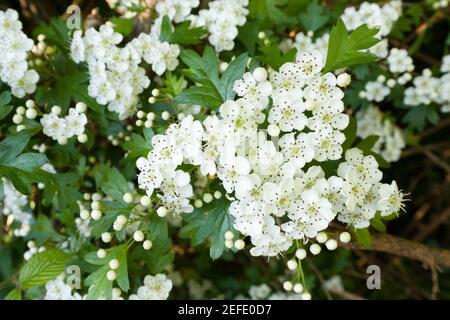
(230, 149)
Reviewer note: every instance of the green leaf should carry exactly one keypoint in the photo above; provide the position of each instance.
(161, 255)
(137, 146)
(56, 32)
(5, 111)
(315, 17)
(115, 185)
(367, 144)
(206, 96)
(248, 35)
(378, 223)
(28, 161)
(183, 34)
(273, 56)
(416, 117)
(123, 26)
(270, 10)
(14, 294)
(344, 50)
(362, 236)
(100, 284)
(350, 134)
(43, 267)
(234, 72)
(13, 145)
(5, 98)
(210, 222)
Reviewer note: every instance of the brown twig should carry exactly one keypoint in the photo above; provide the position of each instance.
(405, 248)
(346, 294)
(437, 160)
(436, 222)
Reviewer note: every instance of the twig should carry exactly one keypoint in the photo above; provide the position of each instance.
(321, 279)
(346, 294)
(405, 248)
(435, 223)
(438, 161)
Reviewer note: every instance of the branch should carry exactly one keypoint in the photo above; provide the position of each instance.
(432, 257)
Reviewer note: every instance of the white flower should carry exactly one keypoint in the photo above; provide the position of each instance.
(249, 87)
(399, 61)
(287, 113)
(155, 287)
(391, 199)
(329, 115)
(309, 215)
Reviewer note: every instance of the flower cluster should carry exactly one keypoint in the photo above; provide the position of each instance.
(16, 207)
(221, 20)
(306, 42)
(15, 45)
(176, 10)
(160, 55)
(58, 289)
(116, 79)
(358, 193)
(62, 129)
(374, 16)
(390, 141)
(399, 61)
(155, 288)
(427, 89)
(279, 194)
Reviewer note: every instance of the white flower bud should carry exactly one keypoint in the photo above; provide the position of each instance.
(114, 264)
(198, 203)
(345, 237)
(101, 253)
(17, 119)
(146, 201)
(292, 264)
(260, 74)
(138, 236)
(315, 249)
(298, 288)
(301, 253)
(84, 214)
(208, 197)
(31, 113)
(121, 219)
(331, 244)
(321, 237)
(128, 197)
(106, 237)
(165, 115)
(229, 235)
(30, 103)
(82, 138)
(217, 194)
(56, 110)
(96, 214)
(343, 80)
(155, 92)
(140, 114)
(111, 275)
(239, 244)
(81, 107)
(147, 245)
(287, 285)
(306, 296)
(161, 211)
